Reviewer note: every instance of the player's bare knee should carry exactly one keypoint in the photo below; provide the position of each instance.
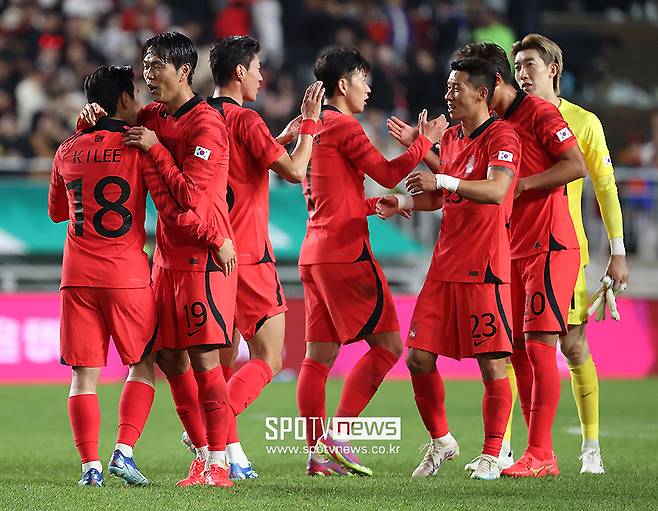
(390, 341)
(492, 368)
(84, 380)
(574, 345)
(173, 362)
(323, 352)
(420, 362)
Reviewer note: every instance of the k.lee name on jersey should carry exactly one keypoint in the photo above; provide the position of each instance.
(98, 156)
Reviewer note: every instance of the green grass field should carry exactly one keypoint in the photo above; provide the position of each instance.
(39, 466)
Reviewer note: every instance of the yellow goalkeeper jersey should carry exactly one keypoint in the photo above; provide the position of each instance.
(591, 140)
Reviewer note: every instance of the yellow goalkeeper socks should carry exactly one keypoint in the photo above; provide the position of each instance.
(507, 438)
(585, 386)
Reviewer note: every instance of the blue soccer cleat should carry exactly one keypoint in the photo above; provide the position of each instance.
(238, 473)
(91, 477)
(126, 468)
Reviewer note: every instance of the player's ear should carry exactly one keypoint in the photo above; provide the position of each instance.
(124, 100)
(342, 86)
(240, 72)
(185, 72)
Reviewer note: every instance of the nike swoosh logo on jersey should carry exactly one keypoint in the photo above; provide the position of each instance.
(477, 343)
(190, 333)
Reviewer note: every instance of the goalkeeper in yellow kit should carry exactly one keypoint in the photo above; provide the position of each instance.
(538, 67)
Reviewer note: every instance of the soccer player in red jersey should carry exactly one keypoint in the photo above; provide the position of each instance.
(260, 304)
(464, 306)
(346, 295)
(545, 253)
(100, 185)
(195, 291)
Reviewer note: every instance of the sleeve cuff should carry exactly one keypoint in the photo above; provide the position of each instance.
(617, 247)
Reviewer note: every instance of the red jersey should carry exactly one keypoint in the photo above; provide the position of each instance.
(474, 240)
(100, 185)
(253, 151)
(539, 215)
(337, 227)
(196, 168)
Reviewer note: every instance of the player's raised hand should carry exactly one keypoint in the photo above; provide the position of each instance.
(401, 131)
(226, 257)
(91, 113)
(312, 102)
(433, 129)
(140, 137)
(618, 271)
(419, 182)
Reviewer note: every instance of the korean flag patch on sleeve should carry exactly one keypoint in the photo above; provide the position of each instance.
(505, 156)
(202, 152)
(563, 134)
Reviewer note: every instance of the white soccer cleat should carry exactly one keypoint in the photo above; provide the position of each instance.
(505, 460)
(437, 452)
(592, 462)
(488, 468)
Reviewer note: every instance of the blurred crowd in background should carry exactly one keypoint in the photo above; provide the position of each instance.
(48, 46)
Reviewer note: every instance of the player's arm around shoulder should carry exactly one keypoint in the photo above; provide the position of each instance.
(558, 140)
(58, 208)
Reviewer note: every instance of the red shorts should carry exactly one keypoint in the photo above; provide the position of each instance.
(90, 315)
(260, 297)
(347, 301)
(459, 320)
(194, 307)
(542, 288)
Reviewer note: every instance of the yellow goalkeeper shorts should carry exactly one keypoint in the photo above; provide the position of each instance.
(578, 305)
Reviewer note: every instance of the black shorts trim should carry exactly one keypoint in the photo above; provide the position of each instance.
(279, 296)
(149, 346)
(550, 294)
(376, 315)
(211, 267)
(501, 312)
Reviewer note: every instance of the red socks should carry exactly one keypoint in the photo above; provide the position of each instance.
(545, 398)
(311, 386)
(243, 388)
(523, 372)
(134, 407)
(363, 381)
(85, 417)
(247, 383)
(214, 403)
(232, 424)
(430, 395)
(496, 407)
(186, 398)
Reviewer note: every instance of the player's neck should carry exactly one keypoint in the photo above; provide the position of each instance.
(341, 103)
(473, 122)
(229, 91)
(183, 96)
(507, 97)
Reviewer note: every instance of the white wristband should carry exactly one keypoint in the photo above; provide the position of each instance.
(617, 247)
(450, 183)
(405, 201)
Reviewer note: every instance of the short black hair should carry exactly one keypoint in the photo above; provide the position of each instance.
(106, 84)
(480, 73)
(227, 53)
(493, 54)
(173, 47)
(337, 63)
